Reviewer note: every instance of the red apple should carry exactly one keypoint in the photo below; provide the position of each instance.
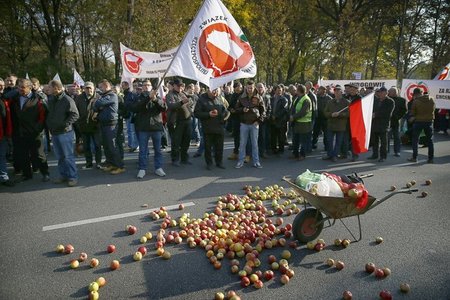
(370, 268)
(385, 295)
(131, 230)
(272, 258)
(284, 279)
(94, 263)
(245, 281)
(379, 273)
(115, 265)
(111, 249)
(83, 257)
(340, 265)
(258, 284)
(347, 295)
(68, 249)
(268, 275)
(143, 250)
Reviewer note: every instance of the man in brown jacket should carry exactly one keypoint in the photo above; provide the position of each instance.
(337, 117)
(422, 116)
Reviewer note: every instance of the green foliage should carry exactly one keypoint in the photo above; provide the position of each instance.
(293, 40)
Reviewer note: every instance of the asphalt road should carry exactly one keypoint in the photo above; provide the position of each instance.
(415, 231)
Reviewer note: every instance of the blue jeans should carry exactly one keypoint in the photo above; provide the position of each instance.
(131, 133)
(427, 127)
(333, 150)
(247, 131)
(3, 170)
(92, 144)
(143, 137)
(63, 148)
(195, 130)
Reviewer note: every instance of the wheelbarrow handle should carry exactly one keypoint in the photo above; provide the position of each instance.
(365, 175)
(402, 191)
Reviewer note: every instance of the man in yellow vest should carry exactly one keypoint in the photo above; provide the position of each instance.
(301, 116)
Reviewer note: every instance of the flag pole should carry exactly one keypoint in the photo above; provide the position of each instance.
(182, 41)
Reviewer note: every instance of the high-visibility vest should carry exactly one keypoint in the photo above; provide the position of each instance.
(298, 107)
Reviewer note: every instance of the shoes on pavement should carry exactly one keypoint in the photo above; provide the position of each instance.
(412, 159)
(209, 167)
(397, 154)
(160, 172)
(257, 165)
(220, 166)
(72, 182)
(381, 160)
(140, 174)
(430, 161)
(186, 162)
(300, 158)
(45, 178)
(59, 180)
(176, 163)
(334, 159)
(239, 165)
(372, 157)
(247, 159)
(117, 171)
(108, 168)
(326, 157)
(293, 157)
(133, 149)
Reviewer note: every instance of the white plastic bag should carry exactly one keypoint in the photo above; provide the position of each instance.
(320, 188)
(334, 188)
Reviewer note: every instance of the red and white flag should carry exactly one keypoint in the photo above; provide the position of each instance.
(444, 74)
(361, 123)
(215, 50)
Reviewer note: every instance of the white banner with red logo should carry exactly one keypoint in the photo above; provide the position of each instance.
(439, 90)
(215, 50)
(377, 83)
(139, 64)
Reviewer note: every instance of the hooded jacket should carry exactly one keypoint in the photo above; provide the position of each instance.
(423, 109)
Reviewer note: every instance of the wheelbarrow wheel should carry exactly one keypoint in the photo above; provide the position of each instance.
(304, 227)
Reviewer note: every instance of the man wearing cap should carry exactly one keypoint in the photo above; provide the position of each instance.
(88, 126)
(398, 113)
(180, 109)
(422, 116)
(383, 106)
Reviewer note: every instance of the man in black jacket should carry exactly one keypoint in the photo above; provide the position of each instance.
(212, 113)
(399, 112)
(62, 113)
(88, 126)
(28, 113)
(383, 107)
(148, 123)
(107, 107)
(279, 117)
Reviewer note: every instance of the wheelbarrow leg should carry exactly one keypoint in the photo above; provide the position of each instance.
(355, 240)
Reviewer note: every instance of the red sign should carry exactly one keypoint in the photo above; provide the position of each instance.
(132, 62)
(216, 59)
(410, 88)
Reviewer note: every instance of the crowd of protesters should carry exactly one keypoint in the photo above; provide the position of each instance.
(264, 121)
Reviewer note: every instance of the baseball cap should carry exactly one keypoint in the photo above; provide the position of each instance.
(89, 84)
(178, 81)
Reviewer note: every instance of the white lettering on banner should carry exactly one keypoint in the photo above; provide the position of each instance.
(439, 90)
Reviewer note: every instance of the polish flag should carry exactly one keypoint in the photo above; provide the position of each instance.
(361, 123)
(444, 74)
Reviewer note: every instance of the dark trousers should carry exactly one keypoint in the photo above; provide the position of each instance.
(263, 138)
(320, 126)
(395, 129)
(236, 127)
(30, 150)
(299, 143)
(214, 142)
(379, 144)
(181, 140)
(334, 142)
(92, 144)
(110, 146)
(278, 138)
(417, 128)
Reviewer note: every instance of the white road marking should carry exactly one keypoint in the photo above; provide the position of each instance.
(112, 217)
